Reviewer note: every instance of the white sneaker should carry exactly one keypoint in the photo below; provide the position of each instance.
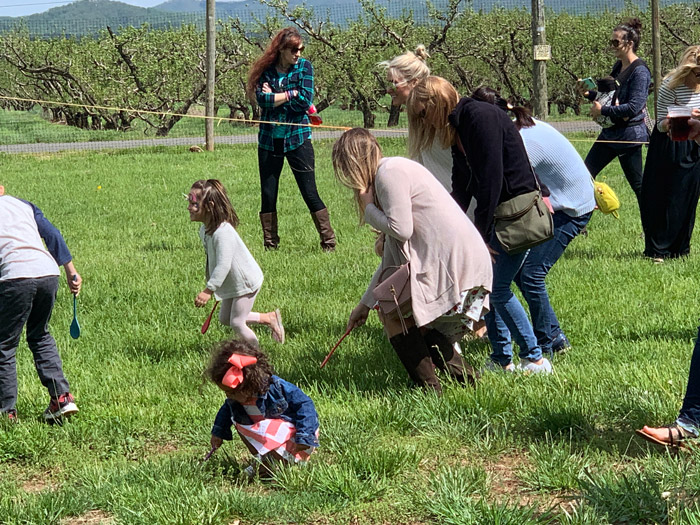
(490, 366)
(545, 367)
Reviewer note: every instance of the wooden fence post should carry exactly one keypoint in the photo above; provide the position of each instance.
(211, 75)
(541, 53)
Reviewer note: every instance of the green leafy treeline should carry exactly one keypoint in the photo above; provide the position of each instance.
(146, 72)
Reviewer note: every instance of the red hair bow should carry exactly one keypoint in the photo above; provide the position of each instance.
(234, 376)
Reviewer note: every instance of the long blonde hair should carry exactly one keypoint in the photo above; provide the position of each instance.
(410, 67)
(356, 157)
(690, 59)
(428, 107)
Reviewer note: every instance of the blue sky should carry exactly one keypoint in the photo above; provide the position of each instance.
(29, 7)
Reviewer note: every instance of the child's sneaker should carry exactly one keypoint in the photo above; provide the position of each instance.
(545, 367)
(62, 406)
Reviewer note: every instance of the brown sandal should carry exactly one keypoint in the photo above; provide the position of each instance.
(678, 437)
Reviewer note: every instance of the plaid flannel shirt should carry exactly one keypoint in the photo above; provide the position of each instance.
(301, 78)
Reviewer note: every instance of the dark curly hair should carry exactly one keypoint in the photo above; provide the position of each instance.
(256, 378)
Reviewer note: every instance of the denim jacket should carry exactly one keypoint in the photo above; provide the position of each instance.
(282, 401)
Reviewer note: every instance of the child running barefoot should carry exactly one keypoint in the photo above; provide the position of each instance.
(232, 273)
(274, 418)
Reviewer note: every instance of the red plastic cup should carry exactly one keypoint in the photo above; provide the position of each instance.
(679, 122)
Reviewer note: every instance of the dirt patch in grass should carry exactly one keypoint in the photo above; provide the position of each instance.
(196, 111)
(92, 517)
(505, 485)
(503, 474)
(39, 483)
(160, 448)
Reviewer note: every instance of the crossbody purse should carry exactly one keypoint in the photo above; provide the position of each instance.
(524, 221)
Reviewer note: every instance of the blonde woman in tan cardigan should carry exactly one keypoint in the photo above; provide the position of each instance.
(450, 266)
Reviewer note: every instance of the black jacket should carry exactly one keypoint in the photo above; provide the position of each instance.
(496, 167)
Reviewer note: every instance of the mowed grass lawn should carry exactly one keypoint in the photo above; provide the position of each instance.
(514, 449)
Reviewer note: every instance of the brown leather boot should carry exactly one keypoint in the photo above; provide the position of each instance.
(445, 357)
(323, 224)
(269, 227)
(415, 357)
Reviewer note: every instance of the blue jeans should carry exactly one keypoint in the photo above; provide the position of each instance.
(531, 278)
(690, 411)
(507, 316)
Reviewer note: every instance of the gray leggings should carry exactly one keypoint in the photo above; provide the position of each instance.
(236, 312)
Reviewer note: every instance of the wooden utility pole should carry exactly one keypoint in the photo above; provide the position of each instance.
(656, 45)
(211, 74)
(541, 53)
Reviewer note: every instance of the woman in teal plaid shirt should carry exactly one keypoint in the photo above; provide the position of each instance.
(282, 84)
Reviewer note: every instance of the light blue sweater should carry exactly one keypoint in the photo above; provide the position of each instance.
(560, 168)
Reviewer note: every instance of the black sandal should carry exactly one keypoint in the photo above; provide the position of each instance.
(681, 440)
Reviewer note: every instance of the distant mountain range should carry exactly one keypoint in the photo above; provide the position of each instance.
(86, 16)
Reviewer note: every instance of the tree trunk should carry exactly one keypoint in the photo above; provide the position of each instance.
(367, 114)
(394, 114)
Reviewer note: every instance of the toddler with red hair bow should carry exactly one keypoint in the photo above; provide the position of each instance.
(274, 418)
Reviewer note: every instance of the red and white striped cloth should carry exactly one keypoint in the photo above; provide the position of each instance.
(268, 435)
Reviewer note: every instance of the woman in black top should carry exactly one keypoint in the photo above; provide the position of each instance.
(490, 164)
(625, 138)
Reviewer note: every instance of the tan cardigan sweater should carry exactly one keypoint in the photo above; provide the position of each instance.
(420, 219)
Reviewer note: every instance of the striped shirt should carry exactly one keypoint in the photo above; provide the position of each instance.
(680, 96)
(300, 77)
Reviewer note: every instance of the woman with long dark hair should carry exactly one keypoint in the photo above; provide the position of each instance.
(624, 139)
(282, 84)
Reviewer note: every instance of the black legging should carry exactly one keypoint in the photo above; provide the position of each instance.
(301, 162)
(600, 155)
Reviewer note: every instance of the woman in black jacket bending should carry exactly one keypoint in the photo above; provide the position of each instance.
(490, 164)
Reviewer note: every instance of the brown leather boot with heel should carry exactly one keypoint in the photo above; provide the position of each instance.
(323, 225)
(444, 356)
(414, 354)
(268, 222)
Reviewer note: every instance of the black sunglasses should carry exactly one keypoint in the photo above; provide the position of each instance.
(616, 42)
(300, 49)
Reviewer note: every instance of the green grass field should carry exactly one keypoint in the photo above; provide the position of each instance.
(515, 449)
